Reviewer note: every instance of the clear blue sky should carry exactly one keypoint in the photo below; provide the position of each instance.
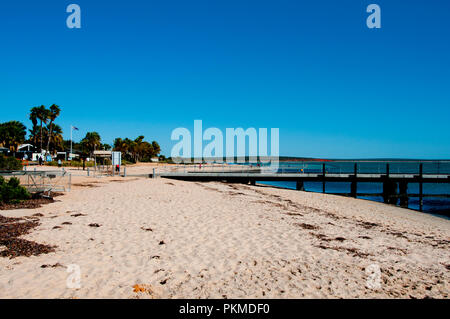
(311, 68)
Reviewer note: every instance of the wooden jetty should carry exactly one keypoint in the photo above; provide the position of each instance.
(395, 185)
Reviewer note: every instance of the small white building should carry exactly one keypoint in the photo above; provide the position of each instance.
(26, 148)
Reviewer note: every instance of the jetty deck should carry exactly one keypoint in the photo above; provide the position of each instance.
(395, 185)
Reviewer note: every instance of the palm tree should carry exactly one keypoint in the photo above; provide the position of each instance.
(34, 135)
(33, 118)
(53, 113)
(91, 142)
(40, 113)
(56, 142)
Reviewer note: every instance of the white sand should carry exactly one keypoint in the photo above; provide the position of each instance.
(227, 241)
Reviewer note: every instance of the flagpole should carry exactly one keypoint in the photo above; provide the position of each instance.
(70, 155)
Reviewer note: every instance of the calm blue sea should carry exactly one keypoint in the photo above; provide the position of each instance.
(432, 205)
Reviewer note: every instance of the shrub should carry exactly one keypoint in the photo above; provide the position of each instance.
(14, 182)
(10, 163)
(11, 191)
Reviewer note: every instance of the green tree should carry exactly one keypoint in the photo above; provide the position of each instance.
(156, 148)
(12, 134)
(138, 149)
(126, 146)
(118, 145)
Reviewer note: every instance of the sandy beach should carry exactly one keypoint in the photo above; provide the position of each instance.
(159, 238)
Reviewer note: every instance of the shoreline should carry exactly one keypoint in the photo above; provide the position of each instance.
(365, 199)
(215, 240)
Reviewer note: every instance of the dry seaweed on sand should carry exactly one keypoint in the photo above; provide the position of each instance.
(36, 202)
(10, 231)
(78, 215)
(52, 266)
(306, 226)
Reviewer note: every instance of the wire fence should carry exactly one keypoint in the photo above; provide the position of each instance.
(46, 182)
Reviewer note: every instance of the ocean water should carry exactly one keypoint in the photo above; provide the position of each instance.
(433, 205)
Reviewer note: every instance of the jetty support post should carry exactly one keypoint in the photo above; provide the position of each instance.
(403, 192)
(389, 188)
(323, 177)
(421, 186)
(299, 185)
(390, 192)
(353, 186)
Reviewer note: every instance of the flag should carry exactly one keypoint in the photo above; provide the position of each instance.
(75, 128)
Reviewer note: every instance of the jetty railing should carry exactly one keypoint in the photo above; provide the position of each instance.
(209, 168)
